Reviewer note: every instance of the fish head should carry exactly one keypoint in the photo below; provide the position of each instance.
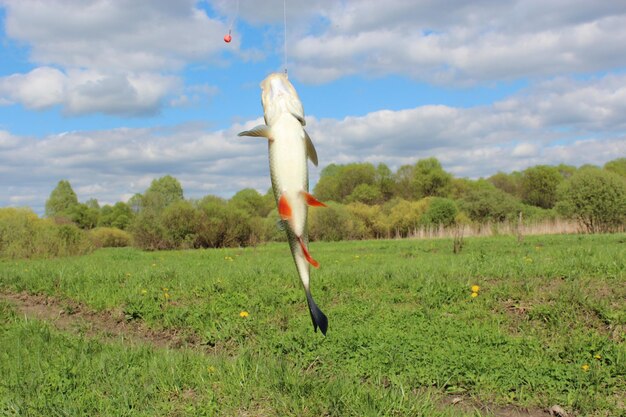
(279, 96)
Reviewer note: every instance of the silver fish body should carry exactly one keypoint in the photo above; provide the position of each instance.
(289, 148)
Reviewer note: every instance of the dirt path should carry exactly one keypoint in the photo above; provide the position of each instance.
(73, 317)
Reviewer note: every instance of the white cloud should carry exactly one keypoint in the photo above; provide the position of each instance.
(461, 41)
(112, 57)
(525, 150)
(39, 89)
(84, 91)
(124, 35)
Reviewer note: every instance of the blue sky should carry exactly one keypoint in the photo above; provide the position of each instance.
(112, 94)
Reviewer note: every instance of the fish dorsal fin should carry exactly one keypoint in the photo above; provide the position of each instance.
(257, 131)
(310, 149)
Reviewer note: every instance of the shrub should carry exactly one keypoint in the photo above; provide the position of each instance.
(484, 202)
(109, 237)
(440, 211)
(24, 235)
(596, 198)
(405, 217)
(332, 223)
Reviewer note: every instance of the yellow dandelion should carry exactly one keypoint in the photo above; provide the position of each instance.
(475, 288)
(474, 294)
(585, 367)
(244, 314)
(210, 369)
(597, 356)
(166, 295)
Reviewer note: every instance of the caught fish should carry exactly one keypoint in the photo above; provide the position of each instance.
(289, 147)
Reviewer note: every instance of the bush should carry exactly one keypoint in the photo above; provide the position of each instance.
(366, 219)
(404, 217)
(179, 221)
(440, 211)
(332, 223)
(484, 202)
(109, 237)
(147, 231)
(596, 198)
(24, 235)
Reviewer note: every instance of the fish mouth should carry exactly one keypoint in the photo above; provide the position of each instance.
(276, 85)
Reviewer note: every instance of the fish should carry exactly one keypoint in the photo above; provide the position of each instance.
(289, 147)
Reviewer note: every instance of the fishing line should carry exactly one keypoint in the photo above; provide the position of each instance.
(228, 37)
(285, 35)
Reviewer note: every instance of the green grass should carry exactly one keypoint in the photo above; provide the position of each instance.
(403, 330)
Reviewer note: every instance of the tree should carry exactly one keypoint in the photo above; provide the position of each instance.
(617, 166)
(566, 171)
(62, 199)
(161, 193)
(385, 181)
(327, 186)
(484, 202)
(539, 185)
(135, 203)
(252, 202)
(120, 215)
(596, 198)
(84, 216)
(430, 180)
(366, 193)
(509, 183)
(337, 182)
(403, 179)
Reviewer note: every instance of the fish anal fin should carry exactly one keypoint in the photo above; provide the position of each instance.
(312, 201)
(284, 209)
(257, 131)
(307, 255)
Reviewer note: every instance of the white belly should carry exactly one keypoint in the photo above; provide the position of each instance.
(288, 167)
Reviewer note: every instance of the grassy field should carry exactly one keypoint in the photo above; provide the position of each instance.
(406, 336)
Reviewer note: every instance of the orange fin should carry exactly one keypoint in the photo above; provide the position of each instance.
(284, 209)
(307, 255)
(312, 201)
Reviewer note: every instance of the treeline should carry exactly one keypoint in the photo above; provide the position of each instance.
(364, 201)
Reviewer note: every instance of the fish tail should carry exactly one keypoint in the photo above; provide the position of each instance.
(319, 319)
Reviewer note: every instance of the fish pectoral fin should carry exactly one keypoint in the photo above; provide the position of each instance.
(311, 201)
(257, 131)
(284, 209)
(310, 149)
(306, 254)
